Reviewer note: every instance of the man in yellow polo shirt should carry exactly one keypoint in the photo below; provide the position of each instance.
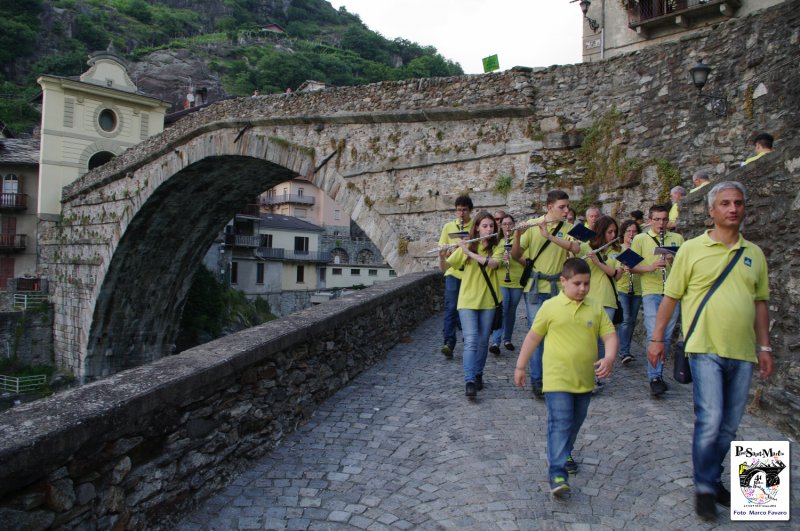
(762, 144)
(546, 245)
(722, 346)
(451, 233)
(654, 270)
(676, 195)
(700, 179)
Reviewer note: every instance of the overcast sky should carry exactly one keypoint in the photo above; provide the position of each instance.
(521, 32)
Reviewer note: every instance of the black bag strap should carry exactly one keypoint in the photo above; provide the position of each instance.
(610, 278)
(544, 246)
(489, 283)
(711, 291)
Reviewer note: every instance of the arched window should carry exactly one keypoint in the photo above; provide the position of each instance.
(339, 256)
(365, 256)
(100, 158)
(107, 119)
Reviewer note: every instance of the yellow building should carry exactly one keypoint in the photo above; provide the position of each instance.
(88, 121)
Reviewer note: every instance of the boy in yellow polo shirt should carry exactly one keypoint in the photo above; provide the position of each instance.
(571, 322)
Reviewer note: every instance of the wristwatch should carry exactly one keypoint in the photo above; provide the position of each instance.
(763, 348)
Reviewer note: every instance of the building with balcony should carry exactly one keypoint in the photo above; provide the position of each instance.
(19, 171)
(613, 27)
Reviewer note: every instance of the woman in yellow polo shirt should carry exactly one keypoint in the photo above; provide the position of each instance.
(629, 289)
(475, 303)
(604, 268)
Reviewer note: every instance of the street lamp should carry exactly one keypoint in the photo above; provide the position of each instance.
(699, 74)
(585, 8)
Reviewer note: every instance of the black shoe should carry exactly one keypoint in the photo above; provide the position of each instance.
(479, 382)
(705, 506)
(509, 345)
(537, 390)
(657, 387)
(447, 350)
(472, 390)
(627, 359)
(723, 496)
(495, 349)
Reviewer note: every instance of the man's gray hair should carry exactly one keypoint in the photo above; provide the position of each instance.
(725, 185)
(678, 189)
(701, 174)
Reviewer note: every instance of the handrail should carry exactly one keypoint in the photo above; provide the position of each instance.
(22, 384)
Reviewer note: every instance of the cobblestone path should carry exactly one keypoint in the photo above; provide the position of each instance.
(402, 448)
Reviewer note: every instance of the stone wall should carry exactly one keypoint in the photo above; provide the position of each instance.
(138, 449)
(27, 336)
(773, 215)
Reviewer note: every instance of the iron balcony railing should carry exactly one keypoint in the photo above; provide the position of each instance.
(24, 301)
(249, 211)
(277, 253)
(13, 242)
(640, 11)
(10, 201)
(288, 198)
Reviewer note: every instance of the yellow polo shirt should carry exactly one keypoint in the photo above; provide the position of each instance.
(624, 282)
(515, 272)
(726, 324)
(599, 283)
(570, 329)
(644, 245)
(552, 258)
(444, 239)
(755, 158)
(673, 212)
(474, 293)
(696, 188)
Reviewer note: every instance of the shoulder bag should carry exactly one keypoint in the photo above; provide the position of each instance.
(497, 320)
(526, 273)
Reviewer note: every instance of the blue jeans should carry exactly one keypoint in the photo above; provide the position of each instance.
(476, 326)
(720, 387)
(650, 303)
(565, 415)
(511, 297)
(601, 347)
(533, 301)
(630, 310)
(451, 287)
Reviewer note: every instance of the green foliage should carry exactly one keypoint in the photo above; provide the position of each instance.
(15, 111)
(211, 307)
(669, 176)
(503, 184)
(19, 29)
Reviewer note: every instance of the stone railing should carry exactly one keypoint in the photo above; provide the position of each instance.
(138, 449)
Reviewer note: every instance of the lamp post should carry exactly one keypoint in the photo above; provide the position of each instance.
(585, 8)
(699, 74)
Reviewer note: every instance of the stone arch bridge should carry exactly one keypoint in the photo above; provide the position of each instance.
(394, 155)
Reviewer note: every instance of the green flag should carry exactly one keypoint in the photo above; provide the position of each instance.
(491, 63)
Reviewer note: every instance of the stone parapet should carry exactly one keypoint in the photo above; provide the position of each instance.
(137, 449)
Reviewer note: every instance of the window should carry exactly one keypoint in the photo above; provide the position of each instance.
(266, 241)
(10, 190)
(299, 192)
(337, 271)
(107, 120)
(259, 273)
(337, 214)
(373, 272)
(355, 272)
(301, 244)
(234, 272)
(301, 273)
(392, 273)
(300, 212)
(100, 158)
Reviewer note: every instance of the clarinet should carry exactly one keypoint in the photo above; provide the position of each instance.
(507, 247)
(663, 271)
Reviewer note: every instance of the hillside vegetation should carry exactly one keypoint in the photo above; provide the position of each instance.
(321, 43)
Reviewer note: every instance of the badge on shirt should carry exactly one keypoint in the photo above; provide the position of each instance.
(589, 324)
(748, 261)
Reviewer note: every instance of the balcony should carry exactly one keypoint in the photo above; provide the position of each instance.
(13, 242)
(242, 240)
(287, 198)
(644, 15)
(10, 201)
(291, 255)
(249, 212)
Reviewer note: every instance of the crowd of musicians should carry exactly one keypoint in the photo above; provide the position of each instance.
(582, 283)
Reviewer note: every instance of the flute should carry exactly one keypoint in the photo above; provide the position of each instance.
(507, 247)
(664, 270)
(524, 226)
(594, 251)
(454, 245)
